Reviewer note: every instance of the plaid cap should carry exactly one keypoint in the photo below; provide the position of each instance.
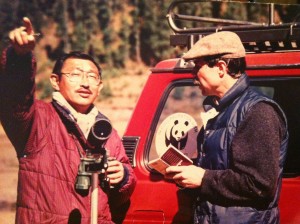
(225, 43)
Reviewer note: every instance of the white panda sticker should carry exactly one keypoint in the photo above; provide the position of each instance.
(180, 130)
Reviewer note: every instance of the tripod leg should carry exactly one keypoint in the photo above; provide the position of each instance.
(94, 198)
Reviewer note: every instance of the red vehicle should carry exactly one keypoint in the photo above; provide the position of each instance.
(273, 62)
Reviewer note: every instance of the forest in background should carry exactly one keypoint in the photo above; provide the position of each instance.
(121, 35)
(112, 31)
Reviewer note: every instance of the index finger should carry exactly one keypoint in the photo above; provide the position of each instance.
(113, 163)
(174, 169)
(28, 26)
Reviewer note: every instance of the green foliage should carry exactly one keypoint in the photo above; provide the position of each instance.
(114, 31)
(6, 20)
(45, 88)
(106, 92)
(111, 73)
(205, 9)
(154, 31)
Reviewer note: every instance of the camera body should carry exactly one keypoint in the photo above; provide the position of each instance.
(96, 156)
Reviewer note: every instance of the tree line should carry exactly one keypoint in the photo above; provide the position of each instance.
(113, 31)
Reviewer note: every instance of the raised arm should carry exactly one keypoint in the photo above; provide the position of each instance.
(17, 85)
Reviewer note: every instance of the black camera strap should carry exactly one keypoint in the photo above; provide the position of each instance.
(72, 127)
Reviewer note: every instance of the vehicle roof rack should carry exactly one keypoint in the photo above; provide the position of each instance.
(256, 37)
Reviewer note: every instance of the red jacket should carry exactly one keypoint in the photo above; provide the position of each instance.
(47, 143)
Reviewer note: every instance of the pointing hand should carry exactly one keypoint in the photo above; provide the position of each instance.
(22, 38)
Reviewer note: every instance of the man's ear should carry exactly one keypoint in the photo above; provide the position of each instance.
(54, 79)
(100, 87)
(222, 67)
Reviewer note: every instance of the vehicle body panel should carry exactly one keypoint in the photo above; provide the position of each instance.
(156, 200)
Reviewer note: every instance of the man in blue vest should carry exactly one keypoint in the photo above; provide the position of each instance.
(242, 144)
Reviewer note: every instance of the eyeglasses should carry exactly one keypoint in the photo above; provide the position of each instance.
(77, 76)
(198, 65)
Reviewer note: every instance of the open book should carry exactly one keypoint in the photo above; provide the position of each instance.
(171, 157)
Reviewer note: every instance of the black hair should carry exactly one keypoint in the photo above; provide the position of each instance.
(235, 65)
(74, 54)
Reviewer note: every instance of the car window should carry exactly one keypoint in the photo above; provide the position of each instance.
(286, 92)
(181, 100)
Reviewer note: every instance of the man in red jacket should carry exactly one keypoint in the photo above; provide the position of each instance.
(51, 138)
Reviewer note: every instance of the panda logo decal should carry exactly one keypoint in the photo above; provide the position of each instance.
(178, 134)
(179, 130)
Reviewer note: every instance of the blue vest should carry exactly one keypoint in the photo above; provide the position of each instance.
(217, 138)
